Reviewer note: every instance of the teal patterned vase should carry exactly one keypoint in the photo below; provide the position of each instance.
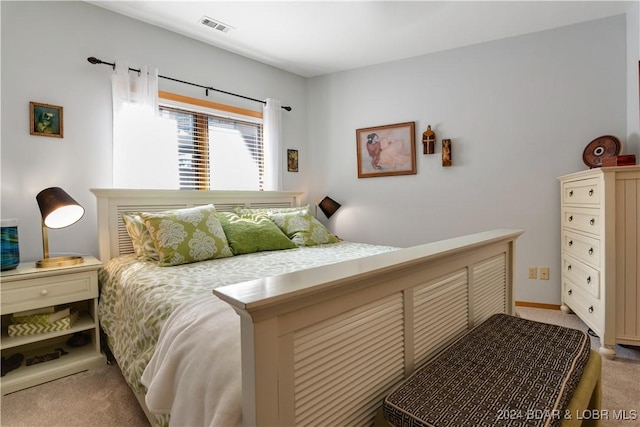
(9, 244)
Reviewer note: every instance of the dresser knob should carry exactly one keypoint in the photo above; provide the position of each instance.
(570, 292)
(569, 267)
(570, 218)
(591, 309)
(592, 222)
(591, 192)
(590, 251)
(588, 279)
(570, 242)
(571, 193)
(44, 292)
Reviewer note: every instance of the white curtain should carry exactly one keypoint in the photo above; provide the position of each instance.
(272, 124)
(145, 150)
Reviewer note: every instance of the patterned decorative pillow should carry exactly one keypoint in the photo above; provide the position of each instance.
(140, 238)
(253, 233)
(302, 228)
(187, 235)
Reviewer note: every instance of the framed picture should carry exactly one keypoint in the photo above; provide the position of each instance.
(45, 120)
(386, 150)
(292, 160)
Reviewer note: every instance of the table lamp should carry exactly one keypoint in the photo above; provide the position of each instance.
(58, 210)
(329, 206)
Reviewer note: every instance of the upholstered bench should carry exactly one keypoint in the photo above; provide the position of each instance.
(507, 371)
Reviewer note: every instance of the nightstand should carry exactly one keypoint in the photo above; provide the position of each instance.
(26, 288)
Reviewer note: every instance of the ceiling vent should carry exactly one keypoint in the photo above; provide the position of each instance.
(216, 25)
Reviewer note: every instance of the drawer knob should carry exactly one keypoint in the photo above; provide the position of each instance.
(592, 222)
(570, 242)
(591, 309)
(569, 267)
(44, 292)
(590, 251)
(588, 279)
(570, 218)
(571, 193)
(591, 192)
(570, 292)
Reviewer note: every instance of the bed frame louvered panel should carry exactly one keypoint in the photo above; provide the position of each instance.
(323, 346)
(347, 362)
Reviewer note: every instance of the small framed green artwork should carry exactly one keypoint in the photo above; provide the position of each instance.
(45, 120)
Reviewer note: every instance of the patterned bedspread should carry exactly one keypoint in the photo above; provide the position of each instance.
(506, 372)
(137, 297)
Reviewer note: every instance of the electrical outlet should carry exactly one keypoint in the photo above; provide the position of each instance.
(544, 273)
(533, 272)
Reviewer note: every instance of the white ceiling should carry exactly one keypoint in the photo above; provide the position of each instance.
(311, 38)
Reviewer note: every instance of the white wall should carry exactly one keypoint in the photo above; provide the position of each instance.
(519, 112)
(45, 46)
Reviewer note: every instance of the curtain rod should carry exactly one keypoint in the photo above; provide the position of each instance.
(96, 61)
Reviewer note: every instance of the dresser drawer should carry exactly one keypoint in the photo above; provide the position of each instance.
(582, 192)
(582, 275)
(589, 310)
(583, 248)
(583, 219)
(47, 291)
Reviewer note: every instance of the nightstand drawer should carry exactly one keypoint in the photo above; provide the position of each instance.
(582, 192)
(47, 291)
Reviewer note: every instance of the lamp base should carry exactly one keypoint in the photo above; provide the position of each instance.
(60, 261)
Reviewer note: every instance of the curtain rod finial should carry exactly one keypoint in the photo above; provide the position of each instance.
(286, 107)
(93, 60)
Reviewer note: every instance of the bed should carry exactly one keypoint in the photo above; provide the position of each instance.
(321, 344)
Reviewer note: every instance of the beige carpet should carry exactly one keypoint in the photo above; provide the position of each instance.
(100, 397)
(620, 376)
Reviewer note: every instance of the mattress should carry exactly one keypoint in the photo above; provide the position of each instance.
(137, 297)
(508, 371)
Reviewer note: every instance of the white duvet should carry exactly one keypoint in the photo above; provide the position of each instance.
(195, 371)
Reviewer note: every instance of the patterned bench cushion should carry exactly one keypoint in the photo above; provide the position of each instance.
(507, 371)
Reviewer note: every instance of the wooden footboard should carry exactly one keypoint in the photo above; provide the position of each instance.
(324, 346)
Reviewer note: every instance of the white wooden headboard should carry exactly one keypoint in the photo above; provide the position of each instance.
(112, 234)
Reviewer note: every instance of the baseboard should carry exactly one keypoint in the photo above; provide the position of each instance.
(538, 305)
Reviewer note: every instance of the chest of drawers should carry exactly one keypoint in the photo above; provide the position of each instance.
(600, 233)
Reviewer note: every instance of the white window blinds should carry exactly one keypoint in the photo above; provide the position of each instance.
(217, 153)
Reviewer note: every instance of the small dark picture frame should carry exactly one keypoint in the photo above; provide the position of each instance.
(45, 120)
(292, 160)
(386, 150)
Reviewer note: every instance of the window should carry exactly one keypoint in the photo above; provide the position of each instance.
(217, 152)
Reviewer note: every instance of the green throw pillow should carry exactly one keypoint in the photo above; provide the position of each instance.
(140, 238)
(253, 233)
(302, 228)
(187, 235)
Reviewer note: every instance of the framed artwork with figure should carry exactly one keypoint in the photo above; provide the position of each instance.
(386, 150)
(292, 160)
(45, 120)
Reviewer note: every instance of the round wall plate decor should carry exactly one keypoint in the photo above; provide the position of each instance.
(603, 147)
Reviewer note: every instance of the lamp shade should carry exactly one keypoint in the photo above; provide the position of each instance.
(58, 209)
(329, 206)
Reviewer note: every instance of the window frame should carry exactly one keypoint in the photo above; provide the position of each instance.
(201, 110)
